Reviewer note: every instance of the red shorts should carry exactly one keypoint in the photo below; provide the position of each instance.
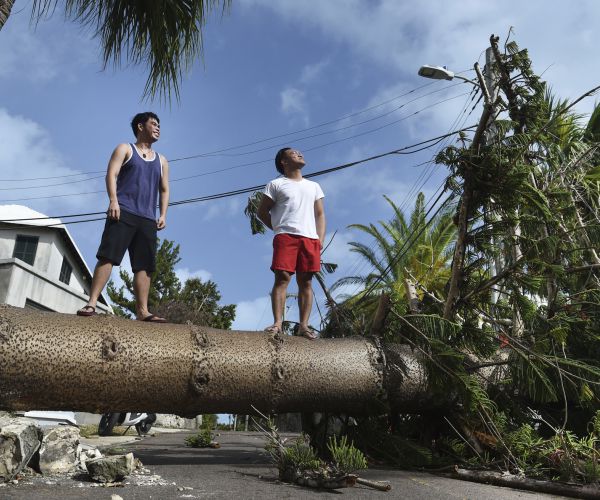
(293, 253)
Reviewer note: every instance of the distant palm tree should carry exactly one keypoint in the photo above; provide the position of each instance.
(163, 35)
(412, 250)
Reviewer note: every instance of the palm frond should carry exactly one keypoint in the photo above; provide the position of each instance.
(164, 36)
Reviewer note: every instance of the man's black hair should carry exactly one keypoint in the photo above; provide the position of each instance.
(278, 158)
(142, 118)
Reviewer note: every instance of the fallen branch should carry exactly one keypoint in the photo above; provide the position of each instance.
(523, 483)
(318, 479)
(378, 485)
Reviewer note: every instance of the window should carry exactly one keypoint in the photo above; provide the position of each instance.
(65, 271)
(25, 248)
(30, 304)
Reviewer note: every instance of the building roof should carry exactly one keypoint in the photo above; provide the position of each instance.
(20, 215)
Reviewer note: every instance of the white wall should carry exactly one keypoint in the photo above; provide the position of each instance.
(19, 281)
(26, 282)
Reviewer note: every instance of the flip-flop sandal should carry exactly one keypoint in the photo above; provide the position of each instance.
(272, 329)
(306, 333)
(87, 311)
(153, 318)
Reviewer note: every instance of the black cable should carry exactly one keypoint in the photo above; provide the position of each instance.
(216, 152)
(377, 117)
(401, 151)
(268, 160)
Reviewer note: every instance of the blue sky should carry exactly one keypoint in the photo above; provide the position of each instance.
(270, 68)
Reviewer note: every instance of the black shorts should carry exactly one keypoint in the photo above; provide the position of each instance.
(131, 232)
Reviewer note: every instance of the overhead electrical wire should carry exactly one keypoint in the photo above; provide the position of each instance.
(268, 160)
(260, 141)
(225, 169)
(401, 151)
(357, 269)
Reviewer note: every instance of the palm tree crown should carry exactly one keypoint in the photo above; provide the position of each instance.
(416, 250)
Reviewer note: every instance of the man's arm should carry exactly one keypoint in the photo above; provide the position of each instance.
(163, 202)
(115, 163)
(320, 220)
(264, 210)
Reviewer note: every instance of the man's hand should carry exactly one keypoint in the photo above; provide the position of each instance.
(161, 223)
(114, 210)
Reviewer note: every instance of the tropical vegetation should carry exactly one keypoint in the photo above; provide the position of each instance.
(514, 349)
(194, 301)
(164, 36)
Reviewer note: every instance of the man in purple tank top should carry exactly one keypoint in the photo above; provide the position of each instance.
(137, 180)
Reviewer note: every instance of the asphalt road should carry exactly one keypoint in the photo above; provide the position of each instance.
(239, 469)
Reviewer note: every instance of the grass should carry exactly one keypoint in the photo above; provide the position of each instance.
(91, 431)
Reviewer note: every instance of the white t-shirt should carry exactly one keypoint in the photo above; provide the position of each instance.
(294, 209)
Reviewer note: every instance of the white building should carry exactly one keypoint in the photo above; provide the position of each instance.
(41, 267)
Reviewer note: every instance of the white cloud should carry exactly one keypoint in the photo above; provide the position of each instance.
(253, 314)
(28, 153)
(183, 273)
(220, 209)
(293, 102)
(311, 72)
(402, 36)
(36, 57)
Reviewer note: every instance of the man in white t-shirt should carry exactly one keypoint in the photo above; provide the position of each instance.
(293, 208)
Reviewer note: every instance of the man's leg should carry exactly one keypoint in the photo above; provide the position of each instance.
(141, 290)
(278, 295)
(305, 299)
(101, 275)
(142, 254)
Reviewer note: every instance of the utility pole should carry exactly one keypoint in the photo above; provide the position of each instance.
(479, 139)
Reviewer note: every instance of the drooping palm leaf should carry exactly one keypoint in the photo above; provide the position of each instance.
(163, 35)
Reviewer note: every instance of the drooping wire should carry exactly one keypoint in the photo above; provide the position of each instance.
(401, 151)
(260, 141)
(269, 160)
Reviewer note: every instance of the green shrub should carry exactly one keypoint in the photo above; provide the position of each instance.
(346, 458)
(200, 440)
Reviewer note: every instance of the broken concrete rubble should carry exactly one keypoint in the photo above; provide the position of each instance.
(53, 451)
(20, 439)
(110, 469)
(86, 453)
(58, 451)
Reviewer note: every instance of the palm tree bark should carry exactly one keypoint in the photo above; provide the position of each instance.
(5, 8)
(56, 361)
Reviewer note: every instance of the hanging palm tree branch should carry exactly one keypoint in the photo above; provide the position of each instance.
(251, 211)
(163, 35)
(348, 280)
(5, 9)
(592, 130)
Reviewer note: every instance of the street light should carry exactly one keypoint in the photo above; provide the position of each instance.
(441, 73)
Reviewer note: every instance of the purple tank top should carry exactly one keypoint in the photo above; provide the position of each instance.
(137, 185)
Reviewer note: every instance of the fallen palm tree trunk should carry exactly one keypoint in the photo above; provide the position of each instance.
(63, 362)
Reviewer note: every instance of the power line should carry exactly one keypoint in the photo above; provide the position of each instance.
(299, 139)
(314, 127)
(424, 176)
(258, 162)
(402, 151)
